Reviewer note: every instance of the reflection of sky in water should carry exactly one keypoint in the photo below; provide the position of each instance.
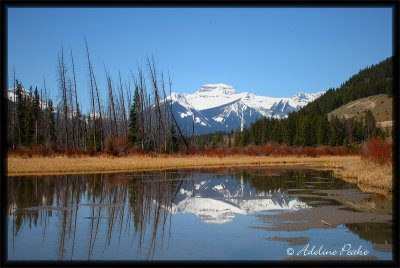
(188, 233)
(192, 239)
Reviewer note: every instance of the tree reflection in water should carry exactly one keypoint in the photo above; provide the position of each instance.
(116, 199)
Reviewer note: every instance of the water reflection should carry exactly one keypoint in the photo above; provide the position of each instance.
(219, 200)
(76, 215)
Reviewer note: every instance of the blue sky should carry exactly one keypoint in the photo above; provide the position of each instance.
(269, 51)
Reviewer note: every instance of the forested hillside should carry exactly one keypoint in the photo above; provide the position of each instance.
(373, 80)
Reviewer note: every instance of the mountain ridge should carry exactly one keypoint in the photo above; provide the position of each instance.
(217, 107)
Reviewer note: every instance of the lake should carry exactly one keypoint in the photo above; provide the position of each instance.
(220, 214)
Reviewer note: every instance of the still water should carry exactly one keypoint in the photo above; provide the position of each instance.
(225, 214)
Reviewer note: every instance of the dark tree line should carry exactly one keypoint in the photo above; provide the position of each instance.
(313, 130)
(30, 119)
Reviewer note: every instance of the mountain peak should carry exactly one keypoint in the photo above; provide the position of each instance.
(217, 107)
(217, 88)
(304, 98)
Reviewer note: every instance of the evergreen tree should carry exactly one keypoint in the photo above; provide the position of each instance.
(336, 132)
(370, 125)
(276, 134)
(20, 98)
(321, 132)
(289, 129)
(28, 119)
(300, 131)
(36, 114)
(133, 131)
(309, 132)
(244, 137)
(52, 123)
(174, 143)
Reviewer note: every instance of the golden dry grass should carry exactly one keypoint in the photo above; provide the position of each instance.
(369, 176)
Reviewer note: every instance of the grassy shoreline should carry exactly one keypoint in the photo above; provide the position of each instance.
(370, 177)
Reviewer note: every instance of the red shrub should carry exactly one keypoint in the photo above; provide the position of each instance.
(377, 150)
(117, 146)
(33, 150)
(214, 152)
(74, 153)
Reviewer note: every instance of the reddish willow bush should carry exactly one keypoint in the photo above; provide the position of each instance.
(43, 150)
(274, 149)
(117, 146)
(378, 151)
(120, 147)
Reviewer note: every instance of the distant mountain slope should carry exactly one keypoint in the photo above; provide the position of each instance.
(373, 80)
(217, 107)
(380, 105)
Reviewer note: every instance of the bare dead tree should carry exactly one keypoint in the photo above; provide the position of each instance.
(128, 93)
(63, 93)
(85, 133)
(77, 123)
(158, 116)
(72, 116)
(122, 102)
(143, 118)
(93, 106)
(166, 134)
(100, 112)
(47, 120)
(173, 117)
(41, 115)
(114, 124)
(14, 112)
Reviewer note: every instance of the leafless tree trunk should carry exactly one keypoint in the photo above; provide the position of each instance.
(91, 96)
(100, 112)
(77, 117)
(167, 131)
(14, 112)
(46, 126)
(71, 113)
(158, 116)
(114, 123)
(63, 93)
(173, 117)
(128, 93)
(142, 107)
(122, 101)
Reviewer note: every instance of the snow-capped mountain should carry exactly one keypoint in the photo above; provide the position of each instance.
(13, 97)
(218, 201)
(217, 107)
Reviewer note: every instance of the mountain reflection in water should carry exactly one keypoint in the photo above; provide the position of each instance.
(217, 201)
(77, 215)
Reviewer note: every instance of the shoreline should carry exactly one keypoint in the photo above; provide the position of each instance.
(369, 176)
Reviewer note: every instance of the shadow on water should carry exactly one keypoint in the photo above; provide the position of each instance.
(111, 207)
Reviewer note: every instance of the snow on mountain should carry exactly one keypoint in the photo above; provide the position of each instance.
(218, 201)
(217, 107)
(212, 95)
(12, 97)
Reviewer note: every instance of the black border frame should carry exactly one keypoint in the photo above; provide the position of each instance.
(395, 5)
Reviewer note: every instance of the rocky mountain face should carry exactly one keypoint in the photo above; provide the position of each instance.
(217, 107)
